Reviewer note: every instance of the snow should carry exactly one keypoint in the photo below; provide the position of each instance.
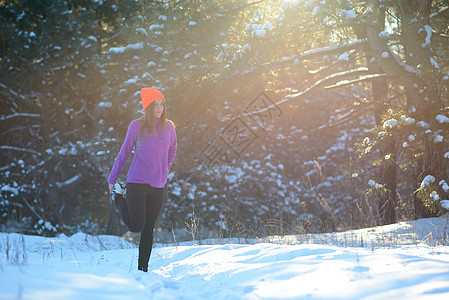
(374, 184)
(10, 189)
(396, 261)
(428, 31)
(434, 63)
(410, 121)
(268, 26)
(348, 15)
(105, 104)
(141, 30)
(390, 123)
(434, 195)
(156, 27)
(384, 34)
(423, 124)
(126, 48)
(442, 119)
(68, 181)
(438, 139)
(260, 33)
(131, 81)
(444, 185)
(427, 181)
(343, 57)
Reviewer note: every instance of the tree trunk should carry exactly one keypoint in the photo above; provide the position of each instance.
(387, 176)
(414, 16)
(387, 172)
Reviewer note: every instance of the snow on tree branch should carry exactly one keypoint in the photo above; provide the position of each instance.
(335, 48)
(310, 88)
(15, 115)
(360, 79)
(19, 149)
(31, 208)
(441, 10)
(311, 53)
(68, 181)
(14, 93)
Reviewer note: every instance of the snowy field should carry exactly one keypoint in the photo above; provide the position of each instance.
(409, 260)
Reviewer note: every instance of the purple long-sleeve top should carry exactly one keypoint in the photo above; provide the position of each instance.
(153, 157)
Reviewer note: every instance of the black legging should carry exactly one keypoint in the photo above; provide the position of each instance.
(140, 212)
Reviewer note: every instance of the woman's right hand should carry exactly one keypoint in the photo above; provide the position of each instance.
(111, 187)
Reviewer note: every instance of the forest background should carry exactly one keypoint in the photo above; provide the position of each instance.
(292, 116)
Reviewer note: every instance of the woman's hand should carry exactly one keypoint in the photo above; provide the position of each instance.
(111, 187)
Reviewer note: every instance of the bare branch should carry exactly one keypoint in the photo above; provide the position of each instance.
(12, 92)
(6, 147)
(19, 128)
(32, 209)
(343, 118)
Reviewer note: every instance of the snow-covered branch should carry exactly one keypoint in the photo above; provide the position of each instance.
(441, 10)
(360, 79)
(6, 147)
(310, 53)
(15, 115)
(12, 92)
(19, 128)
(389, 61)
(321, 51)
(4, 168)
(309, 89)
(330, 49)
(31, 208)
(68, 181)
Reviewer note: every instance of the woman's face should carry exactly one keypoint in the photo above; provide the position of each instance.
(158, 108)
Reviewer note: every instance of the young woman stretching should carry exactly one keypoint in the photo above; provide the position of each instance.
(153, 138)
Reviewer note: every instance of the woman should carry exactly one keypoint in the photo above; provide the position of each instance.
(153, 138)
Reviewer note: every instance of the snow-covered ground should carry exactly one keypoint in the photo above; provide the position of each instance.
(409, 260)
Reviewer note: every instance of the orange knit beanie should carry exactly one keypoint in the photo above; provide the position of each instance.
(149, 95)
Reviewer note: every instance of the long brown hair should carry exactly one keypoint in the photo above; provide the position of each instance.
(149, 121)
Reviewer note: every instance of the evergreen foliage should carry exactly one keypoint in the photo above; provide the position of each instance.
(358, 125)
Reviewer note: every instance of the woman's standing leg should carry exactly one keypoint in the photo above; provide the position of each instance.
(155, 198)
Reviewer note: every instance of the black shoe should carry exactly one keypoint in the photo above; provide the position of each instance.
(143, 269)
